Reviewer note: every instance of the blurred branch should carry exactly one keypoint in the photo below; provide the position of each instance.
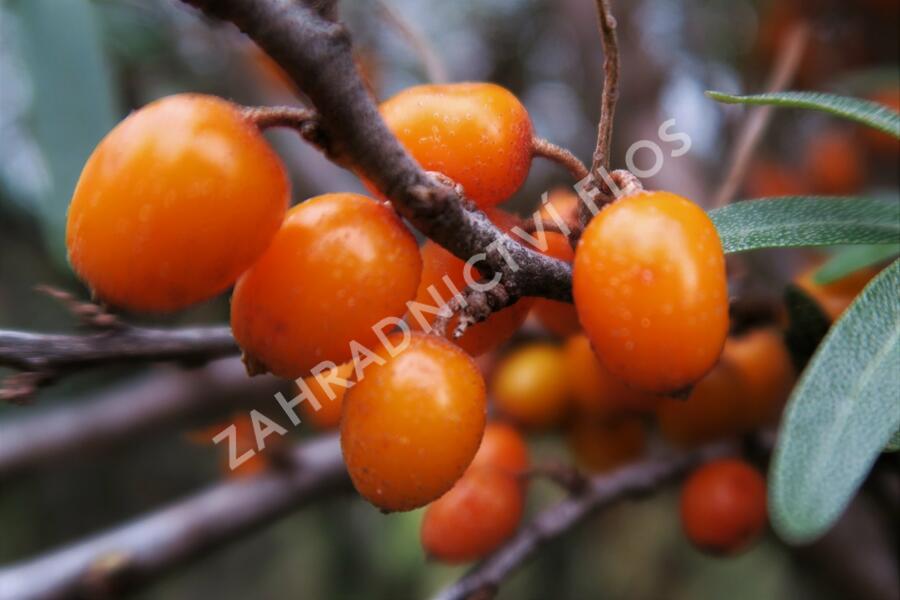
(124, 558)
(751, 133)
(127, 412)
(316, 52)
(434, 67)
(483, 580)
(46, 357)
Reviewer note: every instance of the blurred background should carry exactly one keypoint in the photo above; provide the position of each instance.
(71, 69)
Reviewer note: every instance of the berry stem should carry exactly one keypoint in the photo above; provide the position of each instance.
(559, 155)
(607, 26)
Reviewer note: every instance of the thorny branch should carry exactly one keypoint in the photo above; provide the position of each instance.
(316, 52)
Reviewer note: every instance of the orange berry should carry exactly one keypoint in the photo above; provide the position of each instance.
(562, 201)
(597, 392)
(557, 317)
(530, 385)
(322, 284)
(412, 424)
(474, 518)
(834, 163)
(835, 297)
(650, 290)
(477, 134)
(174, 204)
(438, 263)
(723, 506)
(766, 371)
(328, 390)
(712, 411)
(502, 448)
(604, 444)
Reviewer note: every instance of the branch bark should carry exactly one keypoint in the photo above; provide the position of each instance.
(484, 579)
(133, 554)
(316, 52)
(125, 413)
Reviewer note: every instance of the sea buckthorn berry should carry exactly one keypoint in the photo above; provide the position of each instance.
(835, 297)
(561, 205)
(174, 204)
(322, 284)
(502, 448)
(328, 388)
(411, 426)
(834, 163)
(557, 317)
(438, 263)
(595, 391)
(723, 506)
(650, 290)
(712, 411)
(766, 371)
(481, 512)
(530, 386)
(477, 134)
(604, 444)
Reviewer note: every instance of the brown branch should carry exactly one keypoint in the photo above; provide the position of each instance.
(49, 356)
(128, 412)
(607, 26)
(131, 555)
(316, 53)
(756, 122)
(483, 580)
(561, 156)
(435, 70)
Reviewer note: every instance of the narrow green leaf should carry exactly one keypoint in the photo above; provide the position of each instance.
(807, 221)
(853, 258)
(841, 415)
(866, 112)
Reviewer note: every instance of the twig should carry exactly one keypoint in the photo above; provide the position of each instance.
(640, 478)
(435, 70)
(316, 53)
(756, 122)
(133, 554)
(127, 412)
(607, 26)
(561, 156)
(90, 314)
(49, 356)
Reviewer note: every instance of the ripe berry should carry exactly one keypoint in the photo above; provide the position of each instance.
(564, 203)
(477, 134)
(712, 411)
(834, 163)
(322, 284)
(330, 405)
(471, 520)
(174, 204)
(604, 444)
(766, 372)
(530, 386)
(595, 391)
(438, 263)
(412, 425)
(502, 448)
(723, 506)
(835, 297)
(650, 290)
(557, 317)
